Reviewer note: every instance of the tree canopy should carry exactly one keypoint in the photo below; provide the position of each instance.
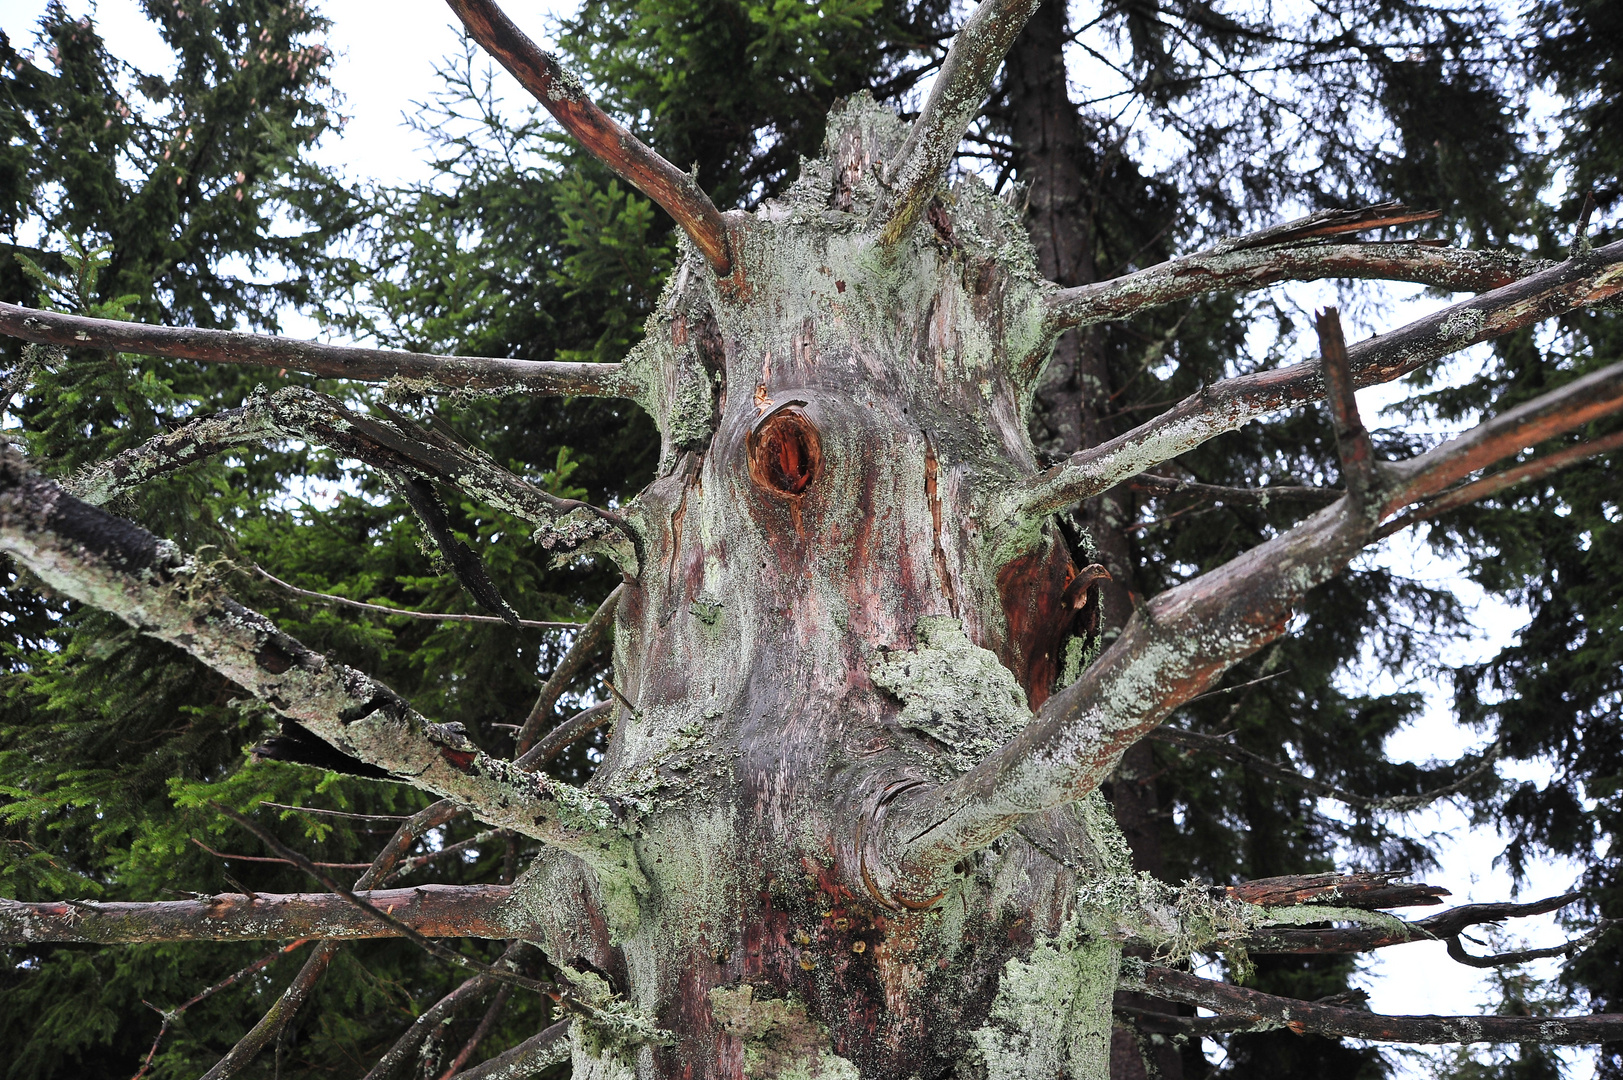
(191, 200)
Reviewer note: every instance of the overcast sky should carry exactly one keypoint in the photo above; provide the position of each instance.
(386, 54)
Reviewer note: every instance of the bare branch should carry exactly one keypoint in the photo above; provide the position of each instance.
(1248, 269)
(478, 911)
(1268, 1012)
(1174, 648)
(297, 992)
(422, 372)
(539, 72)
(386, 917)
(1168, 486)
(486, 1022)
(390, 443)
(408, 1044)
(1352, 441)
(1233, 403)
(268, 859)
(169, 1015)
(1494, 483)
(93, 557)
(1368, 891)
(576, 727)
(1596, 395)
(1441, 926)
(960, 88)
(1456, 950)
(427, 616)
(1285, 774)
(527, 1058)
(585, 645)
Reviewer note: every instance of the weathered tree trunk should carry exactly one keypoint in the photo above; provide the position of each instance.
(848, 822)
(827, 614)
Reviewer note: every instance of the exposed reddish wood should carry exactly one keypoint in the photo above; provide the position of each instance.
(539, 72)
(1378, 890)
(432, 373)
(785, 452)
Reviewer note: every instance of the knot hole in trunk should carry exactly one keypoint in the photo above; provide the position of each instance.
(785, 451)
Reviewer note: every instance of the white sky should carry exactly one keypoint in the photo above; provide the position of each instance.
(385, 59)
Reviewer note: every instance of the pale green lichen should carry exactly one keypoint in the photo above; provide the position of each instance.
(954, 691)
(1052, 1014)
(781, 1042)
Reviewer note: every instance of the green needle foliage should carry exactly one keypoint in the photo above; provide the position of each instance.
(189, 199)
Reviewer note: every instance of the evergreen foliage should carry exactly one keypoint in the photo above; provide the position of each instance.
(145, 197)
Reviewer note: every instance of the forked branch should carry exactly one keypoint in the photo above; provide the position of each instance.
(122, 569)
(420, 371)
(1177, 646)
(1231, 404)
(1266, 1012)
(539, 72)
(956, 97)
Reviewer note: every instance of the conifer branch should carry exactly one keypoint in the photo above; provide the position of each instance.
(1232, 403)
(1267, 1012)
(1441, 926)
(956, 97)
(421, 372)
(561, 92)
(124, 570)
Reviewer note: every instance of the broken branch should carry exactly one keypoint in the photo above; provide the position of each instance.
(1268, 1012)
(956, 97)
(426, 374)
(121, 568)
(1232, 403)
(479, 911)
(539, 72)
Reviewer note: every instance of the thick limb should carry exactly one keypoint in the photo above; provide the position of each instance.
(956, 97)
(424, 373)
(120, 568)
(1265, 1012)
(1231, 404)
(1177, 646)
(539, 72)
(1256, 268)
(478, 911)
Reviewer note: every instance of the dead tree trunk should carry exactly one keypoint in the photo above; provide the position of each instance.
(848, 823)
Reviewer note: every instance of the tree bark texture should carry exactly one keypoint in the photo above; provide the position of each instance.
(848, 821)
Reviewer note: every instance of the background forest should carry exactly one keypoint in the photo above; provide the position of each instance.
(194, 196)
